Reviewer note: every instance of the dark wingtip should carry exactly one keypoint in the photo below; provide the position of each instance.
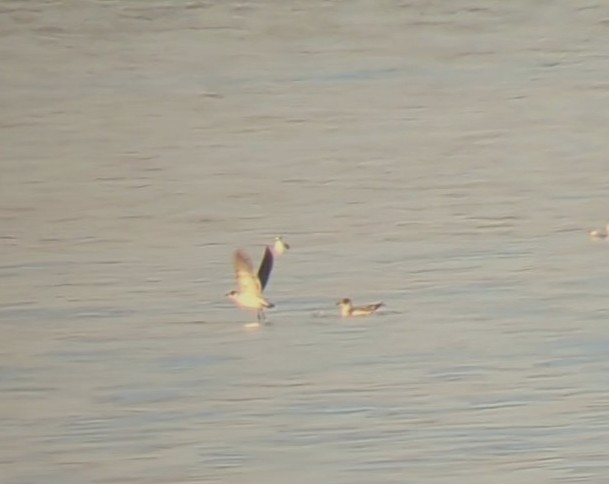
(266, 266)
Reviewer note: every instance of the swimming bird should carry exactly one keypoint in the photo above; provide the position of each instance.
(600, 234)
(348, 310)
(251, 285)
(280, 246)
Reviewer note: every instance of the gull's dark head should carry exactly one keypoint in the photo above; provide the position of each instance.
(344, 301)
(231, 294)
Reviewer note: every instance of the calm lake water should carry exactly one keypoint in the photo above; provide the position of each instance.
(447, 158)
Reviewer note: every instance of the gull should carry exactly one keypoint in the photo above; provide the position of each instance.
(600, 234)
(279, 246)
(251, 285)
(348, 310)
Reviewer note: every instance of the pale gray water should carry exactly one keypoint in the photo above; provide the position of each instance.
(445, 157)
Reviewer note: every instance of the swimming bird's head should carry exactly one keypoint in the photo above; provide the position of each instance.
(345, 307)
(232, 294)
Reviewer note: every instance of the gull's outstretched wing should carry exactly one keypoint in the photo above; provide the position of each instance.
(266, 266)
(246, 279)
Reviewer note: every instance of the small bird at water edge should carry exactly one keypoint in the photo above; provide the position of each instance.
(600, 234)
(280, 246)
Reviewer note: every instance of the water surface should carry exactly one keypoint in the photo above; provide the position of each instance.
(447, 158)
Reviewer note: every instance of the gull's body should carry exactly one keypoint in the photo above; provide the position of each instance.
(279, 246)
(347, 310)
(251, 285)
(600, 234)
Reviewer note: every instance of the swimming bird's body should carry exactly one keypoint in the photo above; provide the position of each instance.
(251, 285)
(600, 234)
(347, 309)
(279, 246)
